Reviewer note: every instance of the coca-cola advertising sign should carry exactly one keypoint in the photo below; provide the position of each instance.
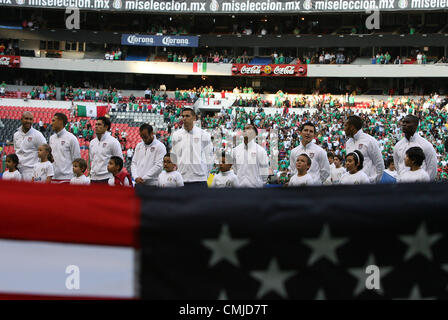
(10, 61)
(273, 70)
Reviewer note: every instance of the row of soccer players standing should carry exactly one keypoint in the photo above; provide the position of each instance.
(192, 155)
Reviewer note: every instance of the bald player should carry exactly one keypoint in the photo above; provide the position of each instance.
(26, 141)
(411, 139)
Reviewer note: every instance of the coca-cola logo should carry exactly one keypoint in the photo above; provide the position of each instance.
(250, 70)
(269, 70)
(4, 61)
(289, 70)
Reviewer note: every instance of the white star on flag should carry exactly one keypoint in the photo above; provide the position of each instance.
(222, 295)
(324, 246)
(320, 295)
(361, 275)
(421, 243)
(224, 248)
(272, 279)
(416, 295)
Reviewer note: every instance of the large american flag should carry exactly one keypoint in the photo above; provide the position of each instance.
(313, 243)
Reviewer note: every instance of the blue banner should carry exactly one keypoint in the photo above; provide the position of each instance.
(158, 41)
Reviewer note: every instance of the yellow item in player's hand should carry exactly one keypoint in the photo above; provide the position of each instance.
(210, 179)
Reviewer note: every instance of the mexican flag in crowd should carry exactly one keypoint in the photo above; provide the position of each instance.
(200, 67)
(91, 111)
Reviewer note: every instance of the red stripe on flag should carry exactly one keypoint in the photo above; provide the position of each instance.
(101, 111)
(195, 67)
(69, 213)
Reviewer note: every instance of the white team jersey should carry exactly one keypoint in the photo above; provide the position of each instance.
(419, 175)
(225, 180)
(100, 152)
(297, 181)
(359, 177)
(42, 170)
(82, 179)
(251, 164)
(25, 146)
(373, 160)
(65, 149)
(336, 174)
(430, 162)
(170, 179)
(12, 175)
(147, 162)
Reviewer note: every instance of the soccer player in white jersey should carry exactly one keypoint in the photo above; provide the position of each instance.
(147, 162)
(250, 160)
(358, 140)
(193, 151)
(413, 139)
(26, 142)
(320, 167)
(65, 149)
(101, 149)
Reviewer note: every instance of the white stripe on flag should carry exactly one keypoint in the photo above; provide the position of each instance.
(39, 268)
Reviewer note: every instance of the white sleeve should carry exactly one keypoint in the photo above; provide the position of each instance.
(41, 139)
(324, 166)
(116, 149)
(135, 158)
(236, 182)
(264, 165)
(50, 170)
(431, 162)
(292, 162)
(234, 164)
(16, 142)
(377, 160)
(158, 166)
(180, 180)
(76, 150)
(396, 161)
(208, 150)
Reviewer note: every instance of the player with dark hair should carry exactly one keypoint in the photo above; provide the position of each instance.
(358, 140)
(101, 149)
(413, 139)
(147, 162)
(193, 150)
(65, 148)
(320, 167)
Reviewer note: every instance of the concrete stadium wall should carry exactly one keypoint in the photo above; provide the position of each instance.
(219, 69)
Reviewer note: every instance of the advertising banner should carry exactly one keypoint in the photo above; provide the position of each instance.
(10, 61)
(158, 41)
(272, 70)
(234, 6)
